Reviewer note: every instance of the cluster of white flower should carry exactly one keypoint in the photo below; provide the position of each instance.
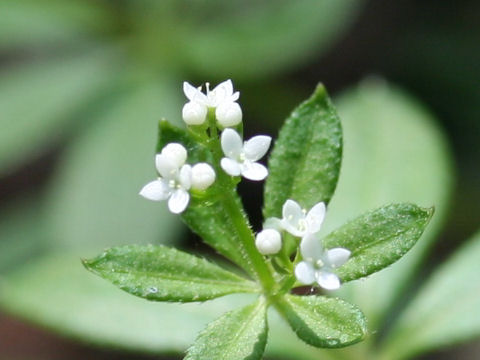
(177, 178)
(222, 98)
(318, 264)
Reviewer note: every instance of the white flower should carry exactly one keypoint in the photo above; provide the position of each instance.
(318, 265)
(241, 157)
(298, 221)
(268, 242)
(176, 178)
(222, 98)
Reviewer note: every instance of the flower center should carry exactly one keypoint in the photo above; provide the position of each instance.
(302, 225)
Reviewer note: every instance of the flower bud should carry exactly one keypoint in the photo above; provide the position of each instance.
(176, 153)
(228, 114)
(268, 242)
(194, 113)
(203, 176)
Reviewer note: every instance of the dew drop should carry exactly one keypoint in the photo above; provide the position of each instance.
(152, 290)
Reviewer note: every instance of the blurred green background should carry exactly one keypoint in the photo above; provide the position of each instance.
(83, 84)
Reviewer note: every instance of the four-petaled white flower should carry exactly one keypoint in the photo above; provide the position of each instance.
(222, 98)
(176, 178)
(298, 221)
(318, 265)
(241, 156)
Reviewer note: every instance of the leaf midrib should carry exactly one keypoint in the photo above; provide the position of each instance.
(147, 274)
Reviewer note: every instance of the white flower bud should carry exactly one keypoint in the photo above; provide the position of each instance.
(228, 114)
(194, 113)
(203, 176)
(268, 242)
(176, 153)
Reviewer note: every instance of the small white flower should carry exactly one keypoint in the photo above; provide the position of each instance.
(176, 178)
(318, 265)
(298, 221)
(268, 242)
(222, 98)
(241, 157)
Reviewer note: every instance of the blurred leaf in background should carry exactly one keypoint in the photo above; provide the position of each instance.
(408, 135)
(93, 78)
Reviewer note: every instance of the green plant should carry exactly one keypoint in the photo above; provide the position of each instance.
(304, 167)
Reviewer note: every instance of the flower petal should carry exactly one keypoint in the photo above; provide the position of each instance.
(253, 171)
(189, 90)
(305, 273)
(292, 215)
(231, 143)
(156, 190)
(235, 96)
(257, 147)
(315, 217)
(194, 94)
(338, 256)
(231, 167)
(273, 223)
(327, 280)
(311, 248)
(223, 92)
(185, 177)
(178, 201)
(166, 167)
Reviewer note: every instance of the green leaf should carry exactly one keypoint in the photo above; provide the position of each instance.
(159, 273)
(445, 311)
(305, 161)
(96, 175)
(237, 335)
(268, 36)
(323, 322)
(30, 22)
(394, 153)
(55, 291)
(378, 238)
(39, 101)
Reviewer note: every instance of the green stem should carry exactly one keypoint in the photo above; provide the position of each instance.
(235, 211)
(248, 240)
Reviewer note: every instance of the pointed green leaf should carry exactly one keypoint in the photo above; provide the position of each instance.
(445, 311)
(207, 216)
(159, 273)
(323, 322)
(237, 335)
(378, 238)
(305, 161)
(394, 152)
